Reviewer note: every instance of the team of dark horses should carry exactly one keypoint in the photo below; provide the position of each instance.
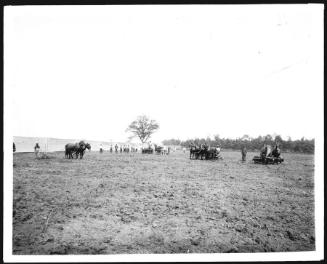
(75, 150)
(204, 152)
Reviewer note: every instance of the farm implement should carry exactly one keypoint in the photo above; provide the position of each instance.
(205, 154)
(147, 151)
(267, 160)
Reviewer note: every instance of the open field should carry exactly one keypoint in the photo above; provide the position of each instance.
(133, 203)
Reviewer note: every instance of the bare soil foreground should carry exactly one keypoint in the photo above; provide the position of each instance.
(133, 203)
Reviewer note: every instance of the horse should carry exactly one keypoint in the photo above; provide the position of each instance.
(70, 149)
(193, 150)
(77, 149)
(81, 150)
(203, 152)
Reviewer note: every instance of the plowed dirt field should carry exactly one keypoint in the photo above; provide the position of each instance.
(139, 203)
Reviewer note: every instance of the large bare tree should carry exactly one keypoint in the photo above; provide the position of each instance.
(143, 128)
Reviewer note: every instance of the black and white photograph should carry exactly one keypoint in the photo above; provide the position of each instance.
(163, 132)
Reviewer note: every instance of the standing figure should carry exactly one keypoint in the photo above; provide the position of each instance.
(36, 150)
(263, 151)
(244, 152)
(14, 147)
(276, 151)
(116, 148)
(101, 149)
(110, 148)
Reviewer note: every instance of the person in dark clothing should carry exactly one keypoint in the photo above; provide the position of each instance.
(243, 151)
(36, 149)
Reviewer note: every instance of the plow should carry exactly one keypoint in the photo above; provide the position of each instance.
(267, 160)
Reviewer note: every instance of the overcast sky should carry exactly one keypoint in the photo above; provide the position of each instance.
(89, 71)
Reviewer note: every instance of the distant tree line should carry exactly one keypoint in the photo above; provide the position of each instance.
(303, 145)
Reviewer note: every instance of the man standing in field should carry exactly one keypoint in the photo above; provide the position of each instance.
(244, 152)
(36, 149)
(14, 147)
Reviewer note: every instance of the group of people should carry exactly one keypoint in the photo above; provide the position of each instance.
(123, 148)
(119, 148)
(266, 151)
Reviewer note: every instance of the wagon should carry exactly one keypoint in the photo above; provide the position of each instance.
(147, 151)
(214, 156)
(267, 160)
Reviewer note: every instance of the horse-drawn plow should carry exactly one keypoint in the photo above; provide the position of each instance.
(205, 153)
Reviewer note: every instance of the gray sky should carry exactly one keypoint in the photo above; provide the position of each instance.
(89, 71)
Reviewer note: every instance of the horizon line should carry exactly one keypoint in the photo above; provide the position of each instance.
(122, 141)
